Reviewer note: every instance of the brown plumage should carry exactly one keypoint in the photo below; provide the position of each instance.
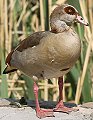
(49, 54)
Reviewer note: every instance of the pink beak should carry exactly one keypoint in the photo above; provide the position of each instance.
(79, 19)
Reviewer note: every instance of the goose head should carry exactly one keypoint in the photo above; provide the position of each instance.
(64, 16)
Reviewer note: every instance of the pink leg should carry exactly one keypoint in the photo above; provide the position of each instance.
(41, 113)
(60, 106)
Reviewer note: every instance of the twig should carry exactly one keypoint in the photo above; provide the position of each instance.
(42, 16)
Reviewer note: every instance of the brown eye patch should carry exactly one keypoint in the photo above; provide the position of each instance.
(70, 10)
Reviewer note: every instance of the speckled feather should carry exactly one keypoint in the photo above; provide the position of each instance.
(30, 41)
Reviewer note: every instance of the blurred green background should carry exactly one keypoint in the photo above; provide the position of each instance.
(18, 19)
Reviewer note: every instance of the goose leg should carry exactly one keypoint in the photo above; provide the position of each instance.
(41, 113)
(60, 106)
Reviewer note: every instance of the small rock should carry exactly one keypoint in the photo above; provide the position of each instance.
(87, 105)
(91, 115)
(4, 102)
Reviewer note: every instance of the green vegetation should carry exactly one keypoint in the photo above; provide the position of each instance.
(18, 19)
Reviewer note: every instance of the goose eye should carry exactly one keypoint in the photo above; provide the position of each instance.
(70, 10)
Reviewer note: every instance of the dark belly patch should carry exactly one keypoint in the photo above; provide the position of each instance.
(65, 69)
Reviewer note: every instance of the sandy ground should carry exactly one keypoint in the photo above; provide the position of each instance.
(12, 112)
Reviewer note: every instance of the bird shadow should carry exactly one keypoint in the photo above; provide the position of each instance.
(43, 104)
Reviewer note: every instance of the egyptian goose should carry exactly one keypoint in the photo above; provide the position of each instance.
(49, 54)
